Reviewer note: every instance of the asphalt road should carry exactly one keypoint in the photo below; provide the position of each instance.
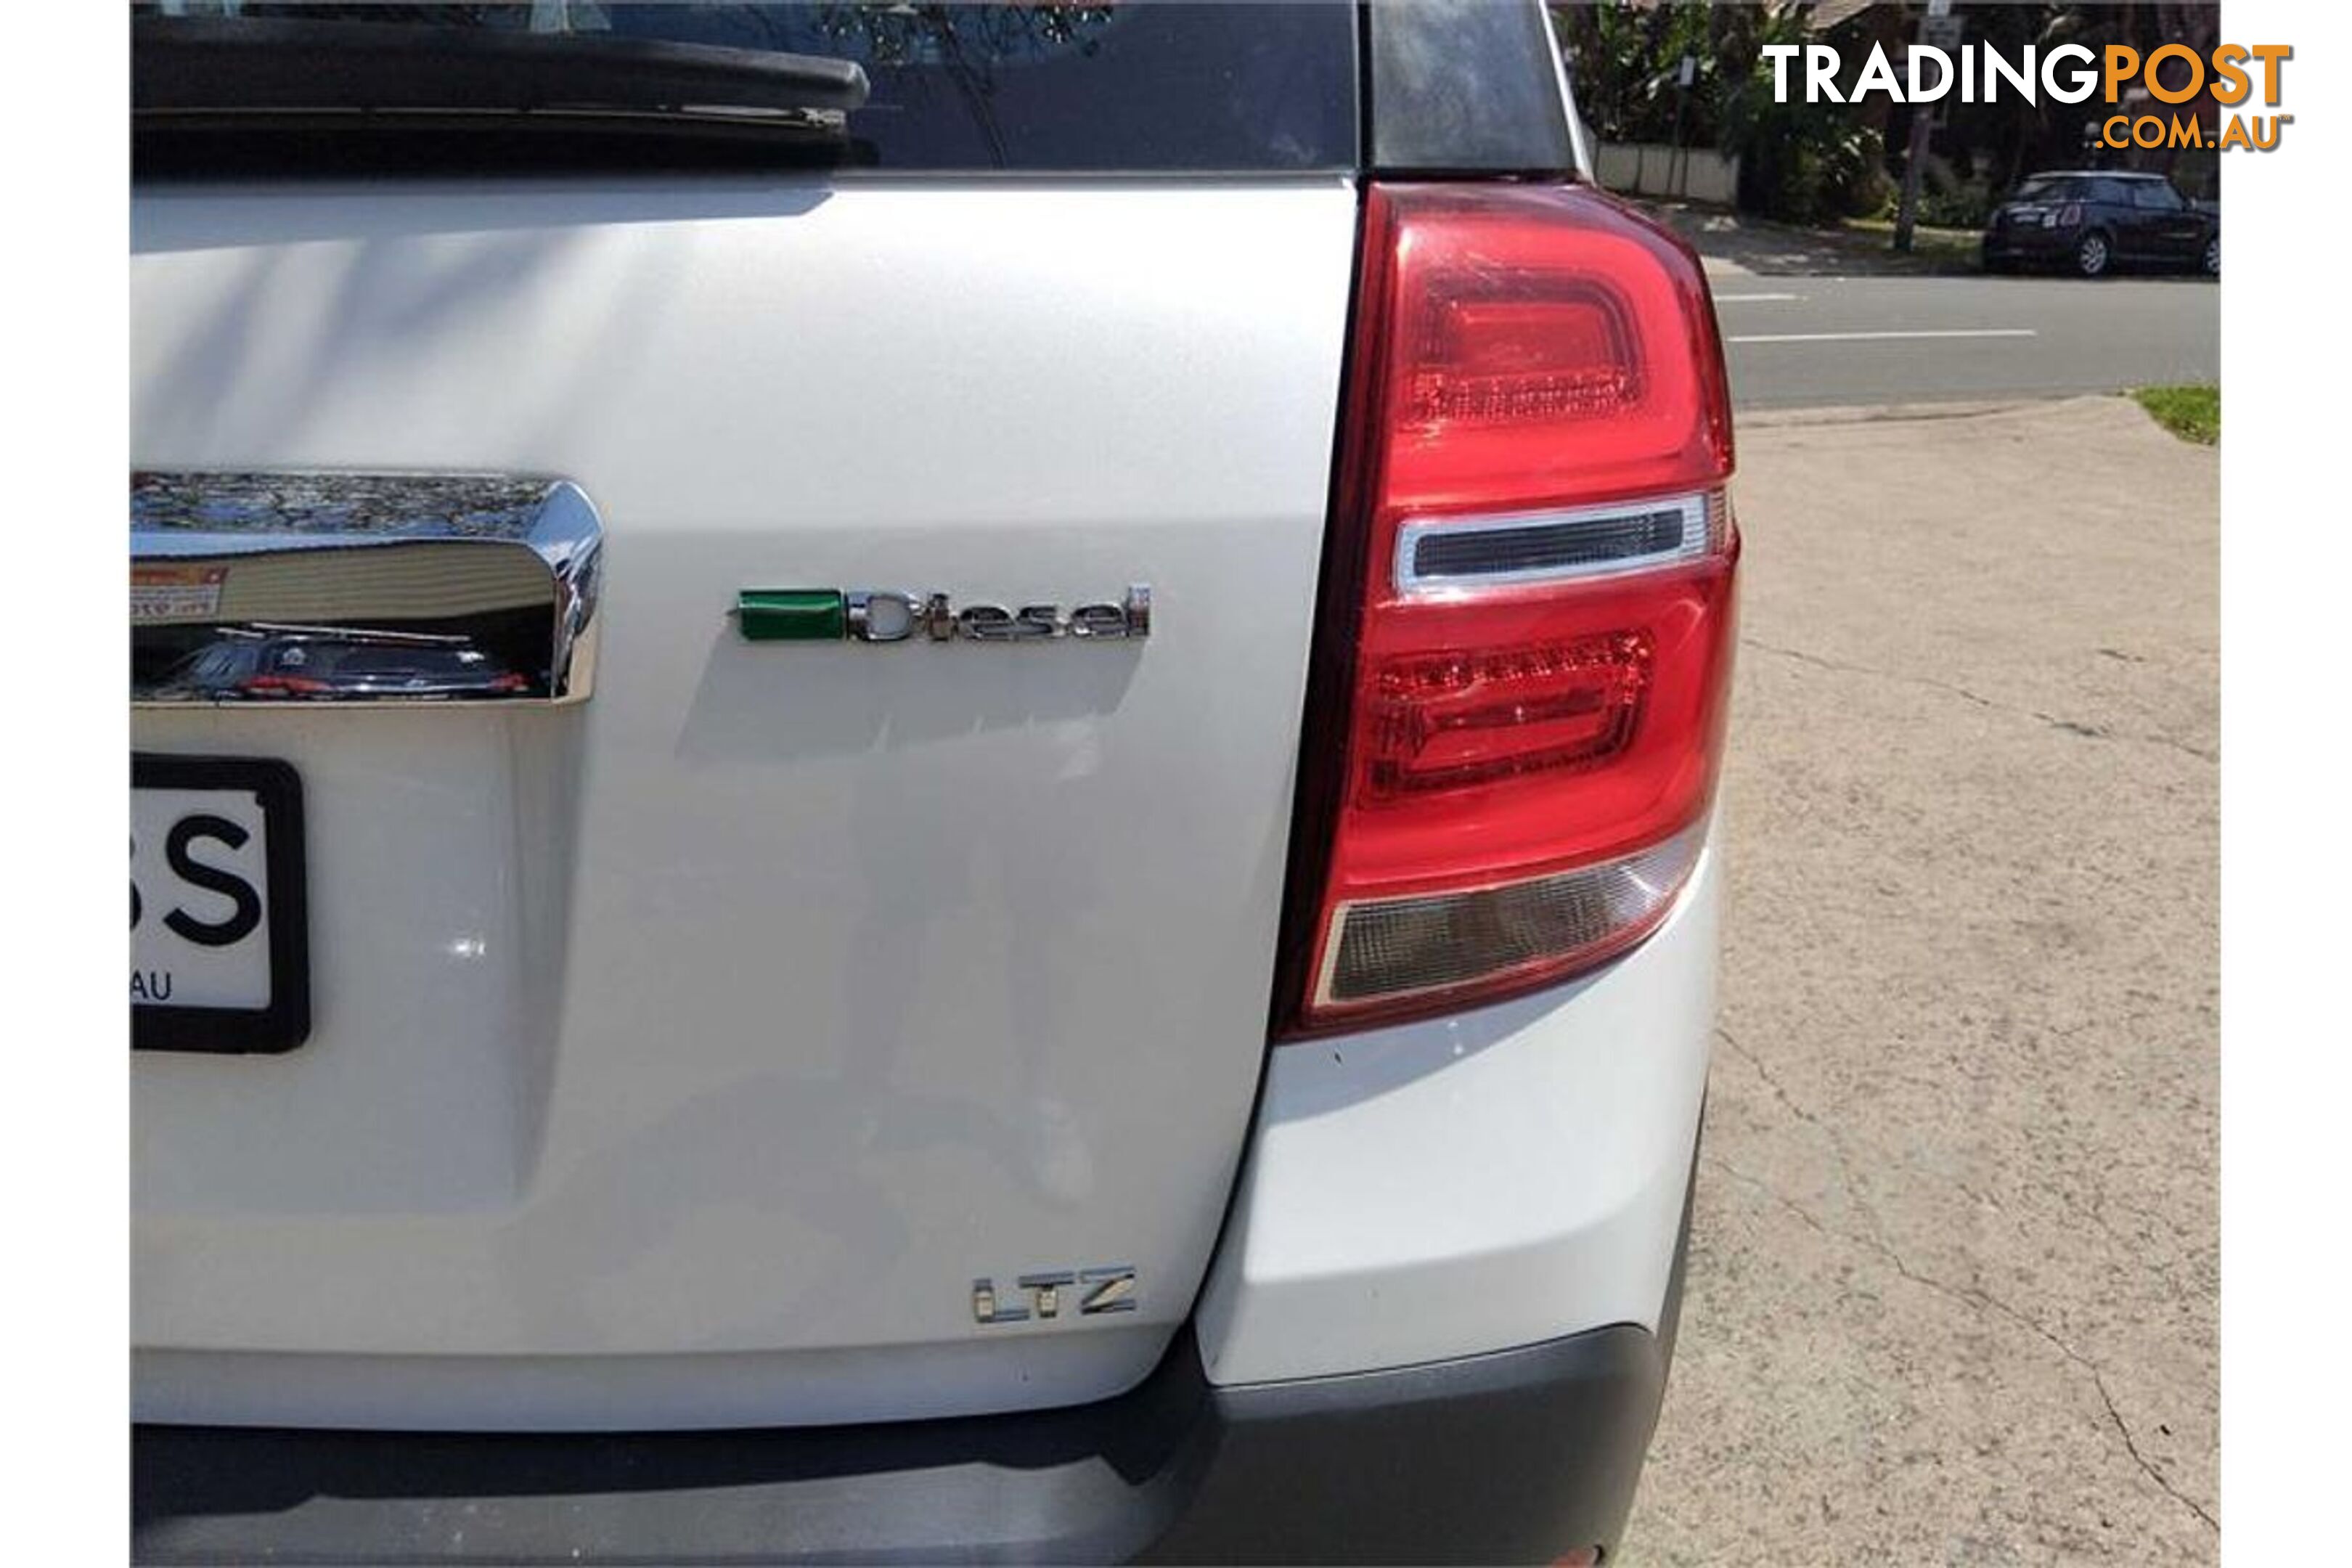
(1955, 1261)
(1801, 341)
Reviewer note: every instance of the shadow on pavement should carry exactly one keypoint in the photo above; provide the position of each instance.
(1769, 249)
(1776, 250)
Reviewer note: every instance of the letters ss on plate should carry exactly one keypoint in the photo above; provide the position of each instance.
(290, 588)
(219, 938)
(1057, 1293)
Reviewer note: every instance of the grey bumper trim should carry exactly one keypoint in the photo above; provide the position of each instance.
(1502, 1458)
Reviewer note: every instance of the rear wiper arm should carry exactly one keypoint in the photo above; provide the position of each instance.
(189, 66)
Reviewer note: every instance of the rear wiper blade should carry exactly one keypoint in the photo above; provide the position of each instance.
(203, 65)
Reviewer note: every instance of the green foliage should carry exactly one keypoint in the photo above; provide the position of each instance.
(2191, 413)
(1819, 162)
(1627, 60)
(1806, 162)
(1964, 207)
(1948, 200)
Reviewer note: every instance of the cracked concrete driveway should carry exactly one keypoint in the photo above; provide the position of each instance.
(1955, 1267)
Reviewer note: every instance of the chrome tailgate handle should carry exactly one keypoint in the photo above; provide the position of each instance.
(261, 589)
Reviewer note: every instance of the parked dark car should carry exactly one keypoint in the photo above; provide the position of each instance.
(324, 665)
(2092, 221)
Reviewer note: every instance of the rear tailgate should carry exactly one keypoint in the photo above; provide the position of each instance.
(686, 1055)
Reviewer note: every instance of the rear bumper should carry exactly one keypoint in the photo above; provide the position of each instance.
(1498, 1177)
(1509, 1456)
(1437, 1330)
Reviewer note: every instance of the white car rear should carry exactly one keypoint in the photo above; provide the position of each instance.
(1038, 749)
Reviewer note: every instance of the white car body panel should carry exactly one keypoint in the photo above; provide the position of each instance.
(725, 1027)
(1492, 1179)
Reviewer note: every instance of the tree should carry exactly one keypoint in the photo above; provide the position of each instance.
(1816, 162)
(1799, 161)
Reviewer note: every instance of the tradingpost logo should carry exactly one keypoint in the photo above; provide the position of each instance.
(2067, 73)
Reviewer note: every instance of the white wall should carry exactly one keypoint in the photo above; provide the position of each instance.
(1651, 169)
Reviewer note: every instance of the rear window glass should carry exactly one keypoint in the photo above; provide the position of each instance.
(2046, 188)
(1122, 87)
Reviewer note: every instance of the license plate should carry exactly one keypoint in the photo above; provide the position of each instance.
(219, 939)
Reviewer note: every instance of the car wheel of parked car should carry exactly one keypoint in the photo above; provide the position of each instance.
(2092, 256)
(2213, 257)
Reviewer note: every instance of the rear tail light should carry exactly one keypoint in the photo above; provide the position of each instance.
(286, 685)
(1517, 704)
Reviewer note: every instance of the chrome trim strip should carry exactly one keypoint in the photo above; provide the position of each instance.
(1580, 138)
(1697, 538)
(297, 589)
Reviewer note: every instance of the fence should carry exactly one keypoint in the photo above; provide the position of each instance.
(1651, 169)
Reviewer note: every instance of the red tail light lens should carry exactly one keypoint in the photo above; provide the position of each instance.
(1522, 694)
(285, 686)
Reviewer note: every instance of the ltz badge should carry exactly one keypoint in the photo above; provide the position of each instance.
(1080, 1293)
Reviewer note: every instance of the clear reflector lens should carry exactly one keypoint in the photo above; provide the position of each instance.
(1398, 947)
